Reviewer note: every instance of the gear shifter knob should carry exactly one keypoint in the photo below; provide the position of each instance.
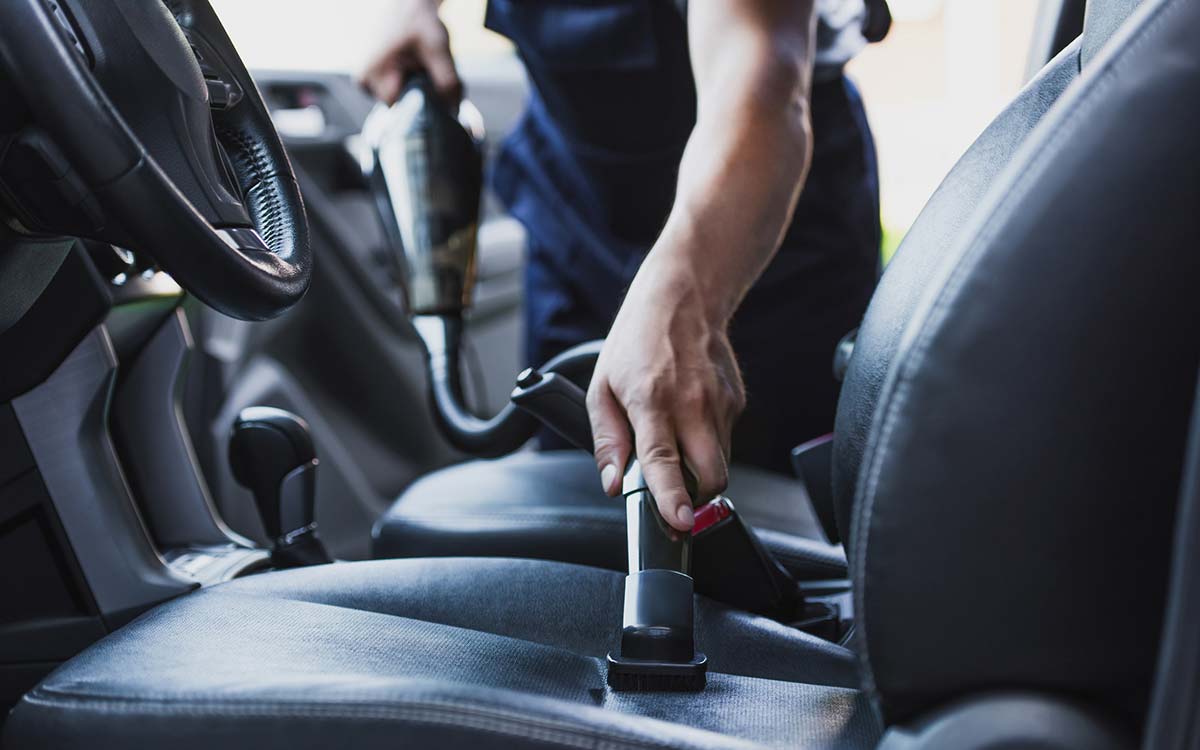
(271, 454)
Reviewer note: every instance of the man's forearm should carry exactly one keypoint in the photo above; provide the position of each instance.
(738, 186)
(667, 373)
(744, 164)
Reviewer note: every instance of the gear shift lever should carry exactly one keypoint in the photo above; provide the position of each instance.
(272, 455)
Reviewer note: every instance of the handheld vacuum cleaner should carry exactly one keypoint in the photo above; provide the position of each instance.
(424, 164)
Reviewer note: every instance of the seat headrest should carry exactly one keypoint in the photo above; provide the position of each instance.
(1100, 21)
(1014, 511)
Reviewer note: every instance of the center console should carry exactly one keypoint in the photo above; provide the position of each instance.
(103, 512)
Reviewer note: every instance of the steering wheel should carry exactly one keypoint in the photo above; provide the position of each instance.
(168, 147)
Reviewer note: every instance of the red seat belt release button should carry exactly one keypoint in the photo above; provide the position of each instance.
(712, 514)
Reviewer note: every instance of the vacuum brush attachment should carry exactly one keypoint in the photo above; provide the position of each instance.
(658, 647)
(658, 643)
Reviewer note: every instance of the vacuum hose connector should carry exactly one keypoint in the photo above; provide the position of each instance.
(514, 425)
(658, 641)
(500, 435)
(653, 543)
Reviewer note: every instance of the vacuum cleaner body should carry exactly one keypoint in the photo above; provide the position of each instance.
(424, 163)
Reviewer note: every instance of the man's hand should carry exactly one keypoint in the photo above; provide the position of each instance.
(421, 43)
(668, 371)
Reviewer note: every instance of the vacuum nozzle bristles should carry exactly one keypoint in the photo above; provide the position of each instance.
(646, 676)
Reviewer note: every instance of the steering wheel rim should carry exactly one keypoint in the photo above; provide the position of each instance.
(227, 223)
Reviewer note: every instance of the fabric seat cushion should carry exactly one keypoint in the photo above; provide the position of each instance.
(431, 653)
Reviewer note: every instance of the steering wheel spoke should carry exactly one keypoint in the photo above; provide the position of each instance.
(169, 146)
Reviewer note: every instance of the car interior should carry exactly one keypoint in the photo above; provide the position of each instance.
(265, 478)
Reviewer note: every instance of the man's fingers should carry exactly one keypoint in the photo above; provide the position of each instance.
(725, 420)
(445, 78)
(610, 435)
(424, 48)
(705, 457)
(659, 457)
(384, 82)
(438, 62)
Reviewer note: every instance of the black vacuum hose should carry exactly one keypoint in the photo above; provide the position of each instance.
(511, 427)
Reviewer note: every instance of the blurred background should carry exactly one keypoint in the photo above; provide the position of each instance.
(348, 360)
(940, 76)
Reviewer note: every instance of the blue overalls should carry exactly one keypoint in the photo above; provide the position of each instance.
(591, 173)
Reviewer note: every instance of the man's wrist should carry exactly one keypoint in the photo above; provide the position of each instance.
(685, 273)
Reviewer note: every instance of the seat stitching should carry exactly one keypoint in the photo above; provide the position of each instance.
(275, 596)
(442, 712)
(506, 516)
(410, 520)
(264, 177)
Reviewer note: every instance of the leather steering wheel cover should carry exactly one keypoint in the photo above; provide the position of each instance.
(68, 102)
(260, 162)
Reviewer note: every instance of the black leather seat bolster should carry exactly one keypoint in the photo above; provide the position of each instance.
(549, 506)
(1026, 460)
(1009, 719)
(431, 653)
(930, 244)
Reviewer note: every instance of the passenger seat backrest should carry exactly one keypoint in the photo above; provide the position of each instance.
(929, 242)
(1101, 20)
(1014, 511)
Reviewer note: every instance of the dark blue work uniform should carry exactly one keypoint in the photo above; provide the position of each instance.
(591, 172)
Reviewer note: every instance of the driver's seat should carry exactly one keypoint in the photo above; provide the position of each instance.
(1012, 520)
(549, 506)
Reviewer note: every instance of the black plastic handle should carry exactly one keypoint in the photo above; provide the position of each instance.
(557, 403)
(560, 404)
(512, 427)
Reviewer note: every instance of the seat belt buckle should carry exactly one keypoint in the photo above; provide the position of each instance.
(813, 464)
(730, 564)
(711, 514)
